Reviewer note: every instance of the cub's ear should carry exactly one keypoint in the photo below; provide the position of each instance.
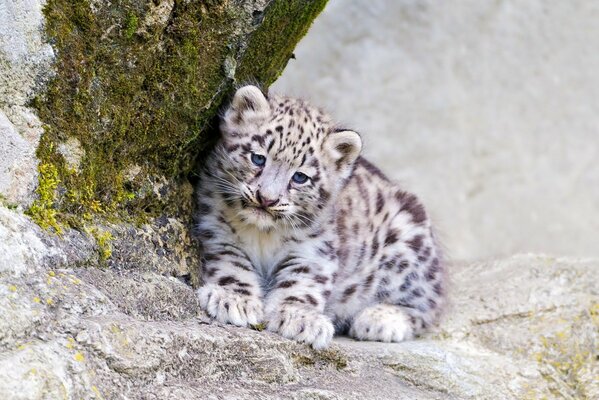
(249, 103)
(344, 147)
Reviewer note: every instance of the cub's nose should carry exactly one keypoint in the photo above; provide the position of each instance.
(265, 202)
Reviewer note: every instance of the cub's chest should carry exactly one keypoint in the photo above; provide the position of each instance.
(265, 249)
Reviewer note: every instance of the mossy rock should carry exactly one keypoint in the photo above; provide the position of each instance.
(137, 86)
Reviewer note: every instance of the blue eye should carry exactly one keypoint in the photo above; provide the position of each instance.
(300, 178)
(258, 159)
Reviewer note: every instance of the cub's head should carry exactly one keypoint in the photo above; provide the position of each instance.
(280, 161)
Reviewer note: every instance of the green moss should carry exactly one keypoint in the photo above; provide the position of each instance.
(103, 241)
(140, 96)
(330, 357)
(42, 211)
(132, 22)
(271, 46)
(259, 327)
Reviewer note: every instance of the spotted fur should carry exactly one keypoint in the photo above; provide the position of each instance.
(346, 250)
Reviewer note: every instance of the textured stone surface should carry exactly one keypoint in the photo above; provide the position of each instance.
(25, 64)
(25, 57)
(524, 327)
(486, 109)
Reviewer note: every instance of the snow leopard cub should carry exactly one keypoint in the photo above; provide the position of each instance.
(300, 232)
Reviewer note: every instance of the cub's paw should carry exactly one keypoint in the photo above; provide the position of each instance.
(302, 324)
(229, 307)
(382, 323)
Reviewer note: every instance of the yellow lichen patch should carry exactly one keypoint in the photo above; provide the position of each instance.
(70, 343)
(97, 392)
(49, 301)
(12, 288)
(75, 281)
(566, 358)
(51, 273)
(37, 300)
(594, 312)
(79, 357)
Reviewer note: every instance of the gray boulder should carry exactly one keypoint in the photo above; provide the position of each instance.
(523, 327)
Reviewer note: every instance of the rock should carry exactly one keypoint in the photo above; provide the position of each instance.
(524, 327)
(25, 56)
(16, 161)
(25, 65)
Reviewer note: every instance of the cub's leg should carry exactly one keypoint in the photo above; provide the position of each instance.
(231, 291)
(408, 280)
(294, 308)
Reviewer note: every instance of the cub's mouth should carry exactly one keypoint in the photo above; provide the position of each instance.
(257, 209)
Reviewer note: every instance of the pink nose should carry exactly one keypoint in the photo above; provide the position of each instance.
(264, 202)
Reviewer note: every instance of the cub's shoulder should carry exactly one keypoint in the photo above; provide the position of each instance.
(367, 170)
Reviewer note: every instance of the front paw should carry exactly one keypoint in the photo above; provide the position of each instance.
(229, 307)
(302, 324)
(382, 323)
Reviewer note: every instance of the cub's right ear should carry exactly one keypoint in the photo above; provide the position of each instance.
(249, 104)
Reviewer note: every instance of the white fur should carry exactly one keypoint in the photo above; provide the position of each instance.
(230, 308)
(382, 323)
(302, 324)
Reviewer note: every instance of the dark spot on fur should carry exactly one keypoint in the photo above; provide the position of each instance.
(286, 284)
(410, 204)
(311, 300)
(323, 194)
(209, 272)
(232, 148)
(205, 234)
(415, 243)
(403, 264)
(432, 303)
(301, 270)
(291, 299)
(391, 238)
(259, 139)
(204, 209)
(211, 257)
(380, 202)
(348, 292)
(227, 280)
(240, 265)
(371, 168)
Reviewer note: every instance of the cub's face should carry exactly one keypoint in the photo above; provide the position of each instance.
(280, 161)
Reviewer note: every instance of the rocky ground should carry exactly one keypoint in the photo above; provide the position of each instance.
(522, 327)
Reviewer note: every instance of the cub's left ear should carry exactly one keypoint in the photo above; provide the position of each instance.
(343, 147)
